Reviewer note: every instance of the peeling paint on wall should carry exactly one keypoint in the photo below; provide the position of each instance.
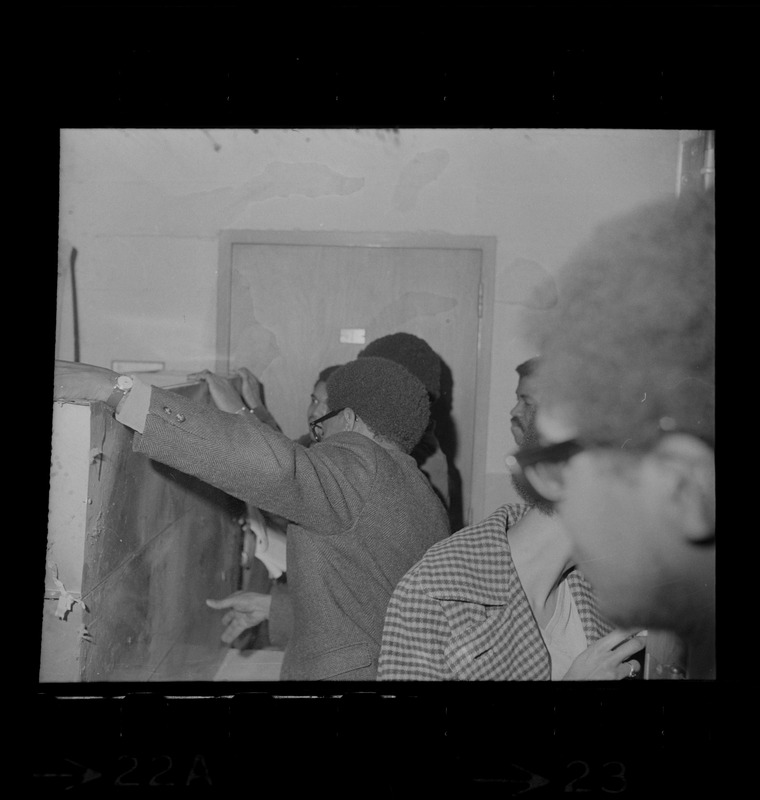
(527, 283)
(278, 180)
(408, 307)
(255, 346)
(423, 169)
(311, 180)
(153, 211)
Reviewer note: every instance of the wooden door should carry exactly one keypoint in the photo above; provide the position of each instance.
(291, 304)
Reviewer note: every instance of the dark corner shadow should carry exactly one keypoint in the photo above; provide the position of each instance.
(448, 438)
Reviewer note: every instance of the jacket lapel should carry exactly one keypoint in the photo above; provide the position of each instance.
(594, 624)
(494, 635)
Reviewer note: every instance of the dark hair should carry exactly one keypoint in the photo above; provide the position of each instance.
(388, 398)
(529, 367)
(325, 374)
(411, 352)
(631, 349)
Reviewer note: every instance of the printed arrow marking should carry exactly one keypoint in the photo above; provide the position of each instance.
(88, 774)
(51, 775)
(534, 781)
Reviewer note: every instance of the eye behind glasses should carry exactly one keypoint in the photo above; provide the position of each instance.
(316, 426)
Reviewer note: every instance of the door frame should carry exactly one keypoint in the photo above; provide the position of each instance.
(475, 510)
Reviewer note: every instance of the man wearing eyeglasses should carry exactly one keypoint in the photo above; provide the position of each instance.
(627, 419)
(501, 600)
(360, 511)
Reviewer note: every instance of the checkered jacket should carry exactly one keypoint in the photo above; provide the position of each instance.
(461, 613)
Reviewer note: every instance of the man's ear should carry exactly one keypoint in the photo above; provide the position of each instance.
(349, 419)
(687, 469)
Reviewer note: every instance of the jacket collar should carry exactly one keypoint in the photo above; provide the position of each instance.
(476, 567)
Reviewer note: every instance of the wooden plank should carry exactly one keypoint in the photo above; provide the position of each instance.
(160, 543)
(157, 544)
(67, 507)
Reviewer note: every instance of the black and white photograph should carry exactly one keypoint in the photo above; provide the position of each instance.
(382, 405)
(381, 448)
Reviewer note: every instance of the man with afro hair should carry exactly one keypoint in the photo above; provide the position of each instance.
(360, 511)
(627, 420)
(411, 352)
(422, 361)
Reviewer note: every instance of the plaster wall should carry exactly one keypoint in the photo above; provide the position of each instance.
(144, 208)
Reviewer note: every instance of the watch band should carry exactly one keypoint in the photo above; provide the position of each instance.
(120, 390)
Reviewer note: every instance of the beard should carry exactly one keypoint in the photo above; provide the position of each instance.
(523, 487)
(531, 497)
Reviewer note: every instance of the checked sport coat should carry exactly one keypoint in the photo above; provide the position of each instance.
(461, 613)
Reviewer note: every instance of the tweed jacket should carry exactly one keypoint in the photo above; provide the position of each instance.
(360, 516)
(461, 613)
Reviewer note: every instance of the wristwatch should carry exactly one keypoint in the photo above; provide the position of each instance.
(123, 384)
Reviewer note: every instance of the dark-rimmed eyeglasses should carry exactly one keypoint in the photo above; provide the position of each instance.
(543, 466)
(316, 427)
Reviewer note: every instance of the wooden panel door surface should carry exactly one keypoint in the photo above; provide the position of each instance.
(288, 309)
(142, 546)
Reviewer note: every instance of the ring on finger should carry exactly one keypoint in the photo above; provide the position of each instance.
(632, 668)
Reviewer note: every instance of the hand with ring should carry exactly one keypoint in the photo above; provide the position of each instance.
(607, 658)
(633, 667)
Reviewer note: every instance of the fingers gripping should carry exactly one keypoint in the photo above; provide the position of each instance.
(623, 650)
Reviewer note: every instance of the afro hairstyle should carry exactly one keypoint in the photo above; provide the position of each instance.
(630, 349)
(325, 373)
(391, 401)
(411, 352)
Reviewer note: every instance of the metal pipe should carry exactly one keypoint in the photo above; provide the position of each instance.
(708, 171)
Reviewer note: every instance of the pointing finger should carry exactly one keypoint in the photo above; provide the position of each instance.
(226, 602)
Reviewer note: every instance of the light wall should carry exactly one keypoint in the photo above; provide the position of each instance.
(144, 208)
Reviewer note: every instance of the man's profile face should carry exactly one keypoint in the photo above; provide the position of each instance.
(523, 486)
(318, 405)
(523, 414)
(616, 528)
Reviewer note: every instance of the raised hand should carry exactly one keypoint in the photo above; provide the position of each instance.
(251, 387)
(223, 393)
